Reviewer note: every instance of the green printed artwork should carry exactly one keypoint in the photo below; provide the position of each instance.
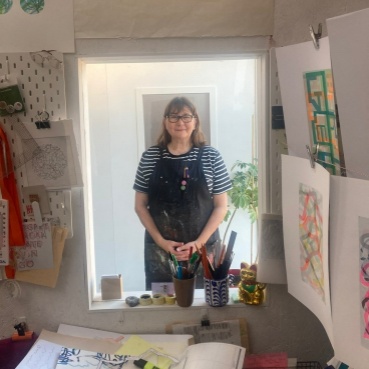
(311, 236)
(320, 105)
(32, 6)
(5, 6)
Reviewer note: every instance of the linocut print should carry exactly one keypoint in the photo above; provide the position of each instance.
(311, 236)
(320, 104)
(363, 277)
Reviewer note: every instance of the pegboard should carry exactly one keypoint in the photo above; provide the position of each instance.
(42, 88)
(278, 140)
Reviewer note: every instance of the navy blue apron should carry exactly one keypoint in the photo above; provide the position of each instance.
(180, 213)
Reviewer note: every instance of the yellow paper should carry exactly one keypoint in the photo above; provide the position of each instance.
(136, 346)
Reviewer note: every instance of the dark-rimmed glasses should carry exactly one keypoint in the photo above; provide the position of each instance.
(186, 118)
(46, 58)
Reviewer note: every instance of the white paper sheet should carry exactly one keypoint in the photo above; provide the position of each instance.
(58, 165)
(50, 29)
(305, 204)
(349, 207)
(293, 61)
(38, 251)
(42, 355)
(348, 38)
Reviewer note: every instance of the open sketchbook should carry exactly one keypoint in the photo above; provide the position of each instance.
(200, 356)
(214, 355)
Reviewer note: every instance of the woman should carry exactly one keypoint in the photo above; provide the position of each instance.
(181, 187)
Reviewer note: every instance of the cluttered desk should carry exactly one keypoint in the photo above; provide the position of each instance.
(72, 347)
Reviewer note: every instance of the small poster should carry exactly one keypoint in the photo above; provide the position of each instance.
(38, 252)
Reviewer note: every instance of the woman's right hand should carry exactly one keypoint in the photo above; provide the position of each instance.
(172, 248)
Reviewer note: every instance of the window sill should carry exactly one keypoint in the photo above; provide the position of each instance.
(198, 303)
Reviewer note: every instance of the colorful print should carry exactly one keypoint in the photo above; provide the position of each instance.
(311, 236)
(321, 111)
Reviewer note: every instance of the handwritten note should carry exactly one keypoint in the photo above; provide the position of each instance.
(38, 251)
(43, 355)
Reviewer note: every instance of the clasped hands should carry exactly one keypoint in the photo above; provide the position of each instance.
(181, 250)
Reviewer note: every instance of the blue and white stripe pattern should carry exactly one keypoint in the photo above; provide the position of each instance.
(216, 174)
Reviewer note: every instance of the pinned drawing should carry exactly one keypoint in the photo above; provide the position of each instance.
(55, 161)
(38, 250)
(320, 104)
(364, 281)
(311, 235)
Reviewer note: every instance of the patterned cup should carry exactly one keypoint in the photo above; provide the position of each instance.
(216, 291)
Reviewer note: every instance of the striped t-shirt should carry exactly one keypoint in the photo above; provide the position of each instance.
(216, 174)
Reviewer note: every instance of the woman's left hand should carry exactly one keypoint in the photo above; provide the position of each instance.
(184, 251)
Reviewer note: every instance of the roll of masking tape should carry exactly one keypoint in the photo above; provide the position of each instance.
(145, 299)
(170, 299)
(158, 299)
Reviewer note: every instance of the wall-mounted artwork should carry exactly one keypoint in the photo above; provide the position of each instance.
(320, 104)
(293, 61)
(349, 267)
(305, 194)
(351, 74)
(311, 236)
(32, 25)
(54, 161)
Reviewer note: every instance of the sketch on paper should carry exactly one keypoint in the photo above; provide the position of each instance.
(364, 279)
(320, 104)
(38, 250)
(75, 358)
(54, 162)
(311, 236)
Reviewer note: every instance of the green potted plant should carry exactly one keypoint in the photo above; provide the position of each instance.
(244, 194)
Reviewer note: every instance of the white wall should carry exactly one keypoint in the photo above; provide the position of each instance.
(284, 325)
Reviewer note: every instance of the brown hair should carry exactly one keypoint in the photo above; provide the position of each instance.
(175, 106)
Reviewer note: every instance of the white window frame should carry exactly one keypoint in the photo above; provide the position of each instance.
(74, 73)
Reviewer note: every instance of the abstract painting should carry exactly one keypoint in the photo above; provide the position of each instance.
(306, 203)
(311, 235)
(321, 112)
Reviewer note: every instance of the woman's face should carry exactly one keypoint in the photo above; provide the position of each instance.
(183, 128)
